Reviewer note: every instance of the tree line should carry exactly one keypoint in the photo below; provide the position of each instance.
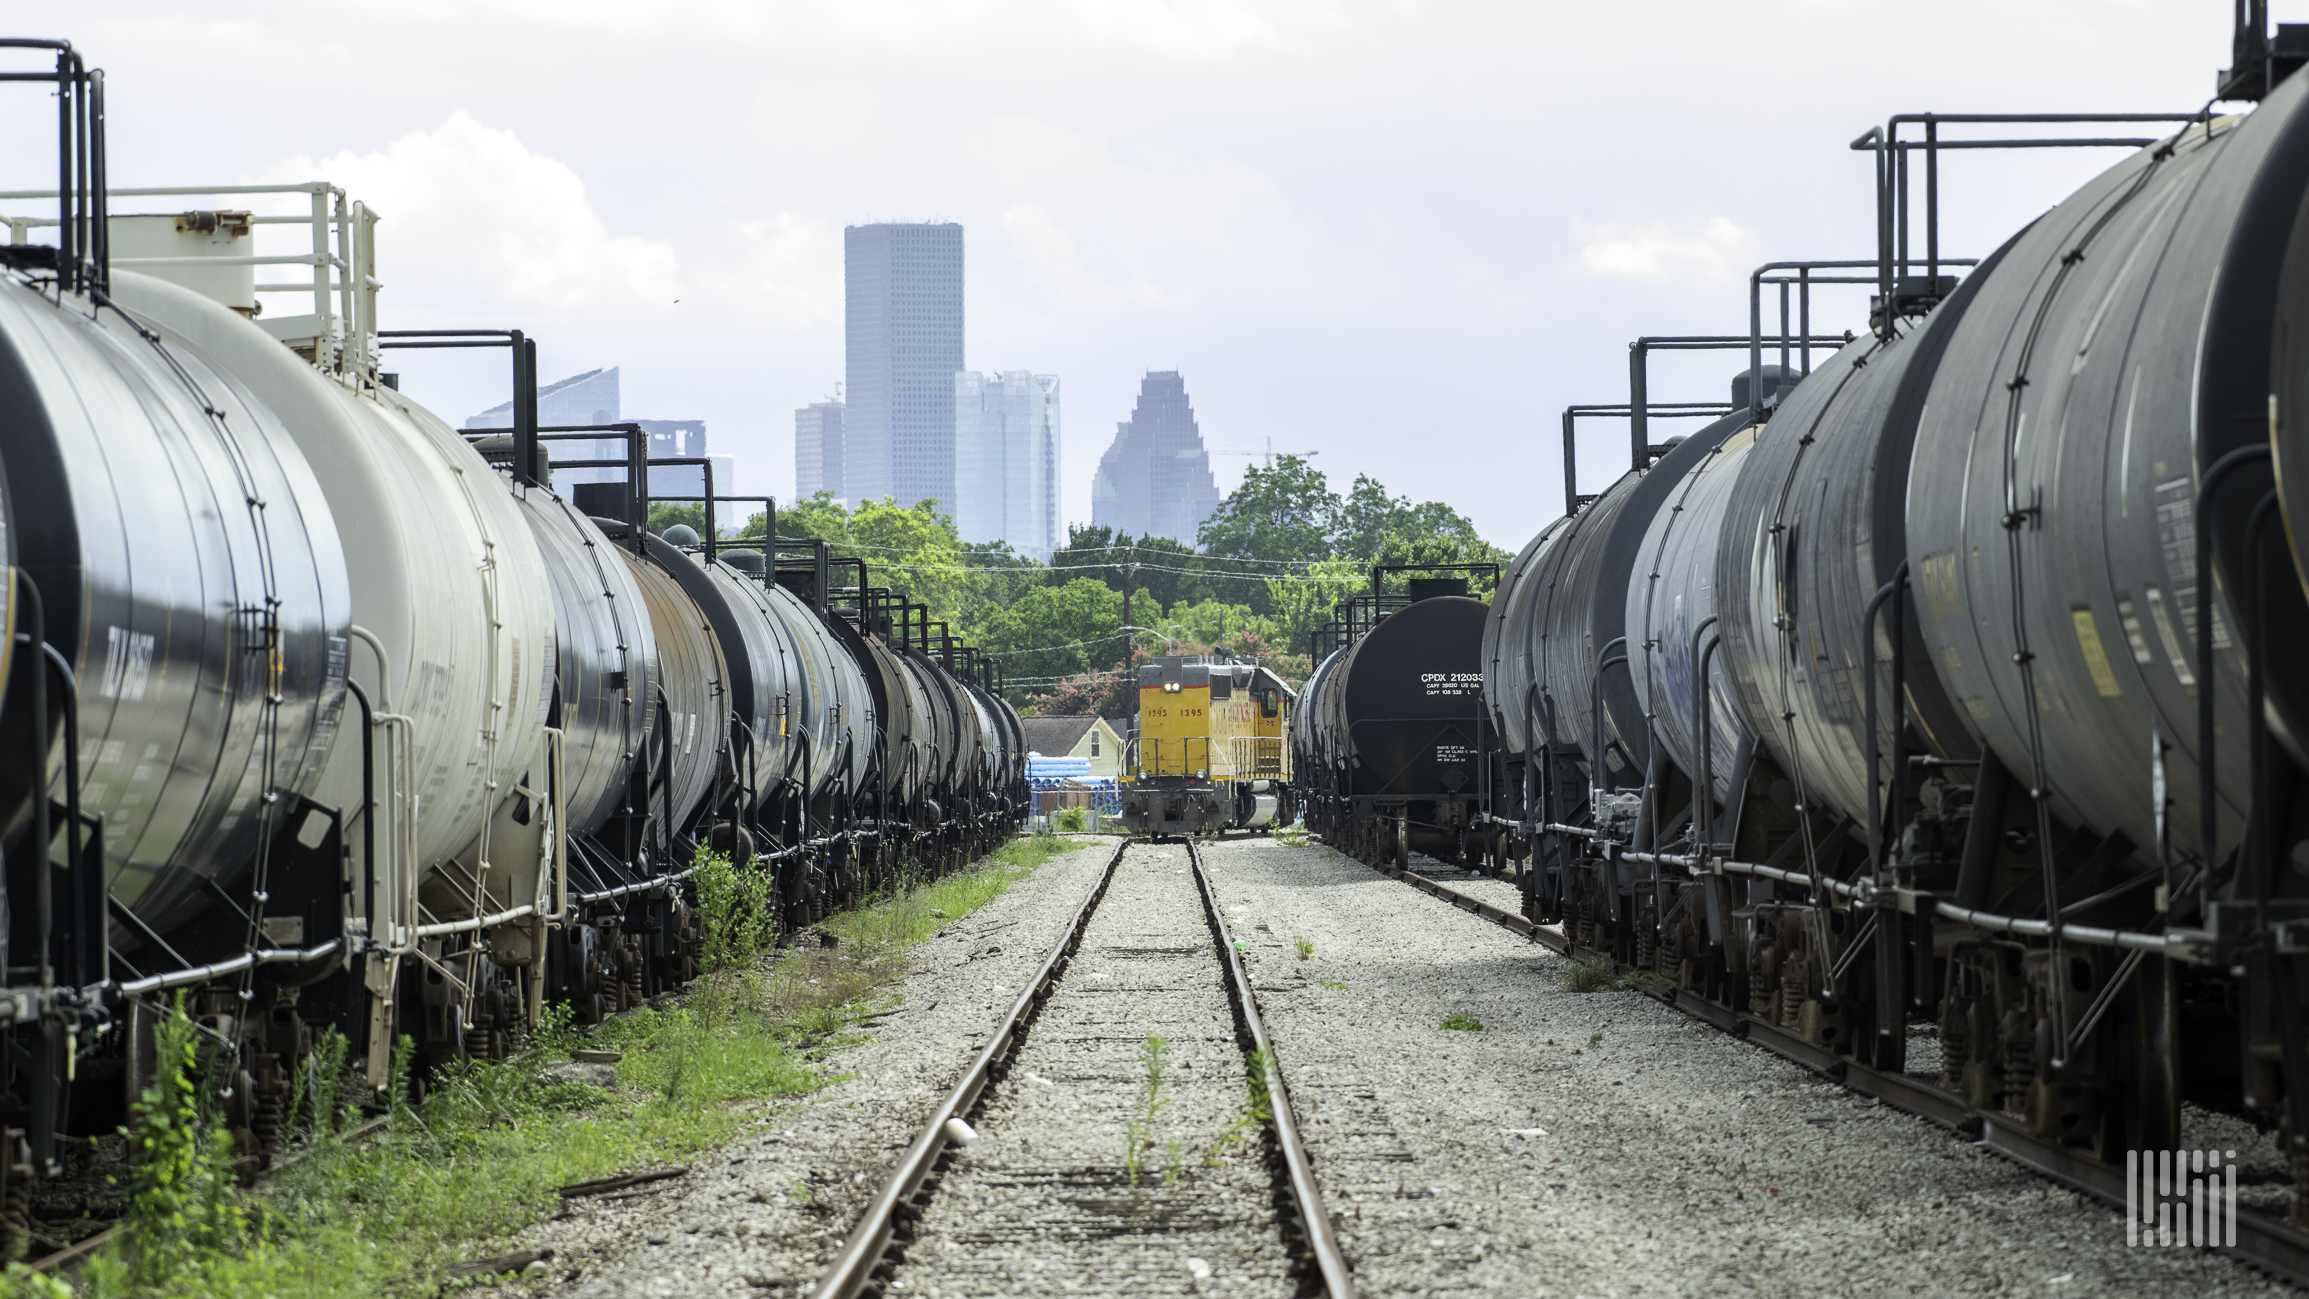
(1269, 565)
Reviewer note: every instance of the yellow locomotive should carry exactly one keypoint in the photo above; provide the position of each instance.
(1208, 752)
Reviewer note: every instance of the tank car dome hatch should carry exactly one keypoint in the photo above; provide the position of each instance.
(1427, 588)
(749, 562)
(497, 451)
(1779, 381)
(680, 534)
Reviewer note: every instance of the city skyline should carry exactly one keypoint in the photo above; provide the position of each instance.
(1316, 233)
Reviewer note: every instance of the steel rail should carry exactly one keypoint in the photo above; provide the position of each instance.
(2266, 1243)
(853, 1270)
(1322, 1242)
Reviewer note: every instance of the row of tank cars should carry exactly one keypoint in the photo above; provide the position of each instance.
(1949, 688)
(326, 721)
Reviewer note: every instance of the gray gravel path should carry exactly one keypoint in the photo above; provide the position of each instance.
(1042, 1205)
(764, 1216)
(1606, 1144)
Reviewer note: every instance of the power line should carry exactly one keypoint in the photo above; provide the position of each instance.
(1351, 579)
(1026, 564)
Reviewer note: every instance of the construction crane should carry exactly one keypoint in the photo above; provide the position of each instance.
(1270, 452)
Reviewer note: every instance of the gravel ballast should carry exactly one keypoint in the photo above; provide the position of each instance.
(765, 1215)
(1608, 1144)
(1042, 1204)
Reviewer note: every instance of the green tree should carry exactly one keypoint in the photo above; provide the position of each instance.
(1303, 599)
(1282, 514)
(1167, 570)
(1214, 622)
(912, 549)
(1053, 632)
(1365, 517)
(1443, 547)
(663, 515)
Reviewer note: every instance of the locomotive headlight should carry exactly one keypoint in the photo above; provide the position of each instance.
(1201, 773)
(1171, 687)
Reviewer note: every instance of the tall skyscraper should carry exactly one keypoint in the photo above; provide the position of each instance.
(1006, 459)
(818, 450)
(903, 293)
(1155, 480)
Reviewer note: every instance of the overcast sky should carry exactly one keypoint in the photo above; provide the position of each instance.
(1405, 234)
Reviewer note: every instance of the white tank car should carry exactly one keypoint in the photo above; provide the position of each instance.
(454, 623)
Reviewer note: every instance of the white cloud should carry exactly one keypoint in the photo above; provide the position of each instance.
(468, 207)
(790, 271)
(1719, 252)
(1049, 252)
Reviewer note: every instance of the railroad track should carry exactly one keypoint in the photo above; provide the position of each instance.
(1020, 1182)
(2263, 1241)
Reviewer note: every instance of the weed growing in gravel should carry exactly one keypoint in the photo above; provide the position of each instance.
(1138, 1134)
(1594, 1040)
(1070, 820)
(1292, 835)
(1657, 985)
(1304, 948)
(1256, 1108)
(1591, 975)
(735, 910)
(1333, 986)
(1460, 1021)
(918, 909)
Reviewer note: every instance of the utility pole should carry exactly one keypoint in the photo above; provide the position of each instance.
(1127, 570)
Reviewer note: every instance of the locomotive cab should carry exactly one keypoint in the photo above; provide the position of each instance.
(1208, 754)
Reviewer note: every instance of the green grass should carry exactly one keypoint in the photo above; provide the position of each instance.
(1305, 949)
(1591, 975)
(482, 1158)
(1460, 1021)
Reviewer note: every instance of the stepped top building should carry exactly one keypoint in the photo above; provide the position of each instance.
(1006, 459)
(902, 289)
(1155, 480)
